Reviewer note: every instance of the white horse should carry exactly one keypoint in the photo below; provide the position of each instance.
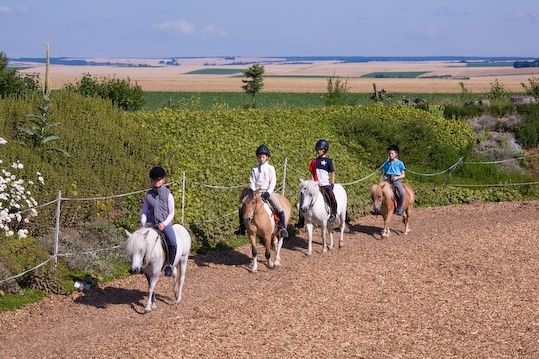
(148, 255)
(315, 213)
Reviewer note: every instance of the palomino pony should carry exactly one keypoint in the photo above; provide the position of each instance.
(384, 202)
(148, 255)
(259, 223)
(315, 213)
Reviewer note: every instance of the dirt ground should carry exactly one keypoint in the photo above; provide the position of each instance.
(464, 283)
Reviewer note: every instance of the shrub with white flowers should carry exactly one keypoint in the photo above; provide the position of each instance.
(16, 202)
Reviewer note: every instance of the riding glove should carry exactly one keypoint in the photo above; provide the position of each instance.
(265, 195)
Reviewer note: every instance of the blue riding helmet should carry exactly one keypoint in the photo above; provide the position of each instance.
(322, 145)
(157, 173)
(262, 150)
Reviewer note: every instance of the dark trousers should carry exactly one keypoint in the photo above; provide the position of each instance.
(327, 191)
(399, 188)
(170, 237)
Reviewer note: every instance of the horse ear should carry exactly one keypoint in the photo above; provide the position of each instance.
(128, 233)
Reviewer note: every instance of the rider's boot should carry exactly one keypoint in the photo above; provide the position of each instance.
(171, 256)
(282, 232)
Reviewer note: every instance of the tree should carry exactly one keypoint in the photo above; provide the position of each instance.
(336, 90)
(11, 84)
(254, 82)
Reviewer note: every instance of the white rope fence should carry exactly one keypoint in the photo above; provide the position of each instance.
(286, 170)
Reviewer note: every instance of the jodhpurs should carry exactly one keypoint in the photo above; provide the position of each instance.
(274, 201)
(327, 191)
(397, 184)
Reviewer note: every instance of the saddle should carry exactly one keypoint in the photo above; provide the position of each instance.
(273, 214)
(164, 245)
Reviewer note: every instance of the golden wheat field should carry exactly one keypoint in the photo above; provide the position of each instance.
(294, 77)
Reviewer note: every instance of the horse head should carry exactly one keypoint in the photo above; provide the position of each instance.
(251, 202)
(136, 248)
(308, 192)
(379, 193)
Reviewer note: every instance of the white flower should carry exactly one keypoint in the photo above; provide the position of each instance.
(41, 179)
(22, 233)
(17, 165)
(2, 141)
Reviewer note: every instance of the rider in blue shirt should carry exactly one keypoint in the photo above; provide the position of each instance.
(393, 169)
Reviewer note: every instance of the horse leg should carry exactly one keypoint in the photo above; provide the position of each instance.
(386, 232)
(330, 234)
(343, 226)
(152, 281)
(324, 237)
(278, 243)
(267, 244)
(179, 279)
(254, 264)
(406, 220)
(309, 238)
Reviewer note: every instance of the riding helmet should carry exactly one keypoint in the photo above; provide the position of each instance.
(262, 150)
(157, 173)
(393, 148)
(322, 145)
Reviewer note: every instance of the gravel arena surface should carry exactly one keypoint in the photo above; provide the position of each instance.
(463, 283)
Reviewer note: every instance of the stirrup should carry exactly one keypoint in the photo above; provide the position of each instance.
(283, 233)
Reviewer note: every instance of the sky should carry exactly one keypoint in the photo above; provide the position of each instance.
(177, 28)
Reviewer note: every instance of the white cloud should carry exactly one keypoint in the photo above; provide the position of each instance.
(214, 30)
(182, 26)
(524, 16)
(5, 9)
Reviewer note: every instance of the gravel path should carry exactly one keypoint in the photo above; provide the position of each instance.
(464, 283)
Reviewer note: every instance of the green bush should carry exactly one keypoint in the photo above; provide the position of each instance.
(14, 85)
(122, 93)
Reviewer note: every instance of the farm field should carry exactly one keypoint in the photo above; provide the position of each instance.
(220, 75)
(464, 283)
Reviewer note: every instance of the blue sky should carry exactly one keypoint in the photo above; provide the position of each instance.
(167, 28)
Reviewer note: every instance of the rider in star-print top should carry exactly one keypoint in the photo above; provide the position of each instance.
(323, 172)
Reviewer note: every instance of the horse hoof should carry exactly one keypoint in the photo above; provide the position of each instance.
(310, 254)
(147, 311)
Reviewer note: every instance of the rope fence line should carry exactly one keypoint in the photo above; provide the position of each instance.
(364, 178)
(27, 271)
(495, 185)
(437, 173)
(218, 186)
(285, 170)
(89, 252)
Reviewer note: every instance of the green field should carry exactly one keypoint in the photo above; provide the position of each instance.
(216, 71)
(394, 75)
(231, 100)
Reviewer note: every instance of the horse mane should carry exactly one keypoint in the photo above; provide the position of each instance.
(383, 188)
(137, 241)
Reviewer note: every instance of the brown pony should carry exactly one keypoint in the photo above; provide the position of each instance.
(384, 203)
(259, 223)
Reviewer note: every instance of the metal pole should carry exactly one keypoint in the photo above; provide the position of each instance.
(183, 196)
(57, 228)
(284, 175)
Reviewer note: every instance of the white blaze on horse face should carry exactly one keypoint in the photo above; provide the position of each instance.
(306, 196)
(137, 259)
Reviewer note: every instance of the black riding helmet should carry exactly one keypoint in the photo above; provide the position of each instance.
(157, 173)
(262, 150)
(321, 145)
(393, 148)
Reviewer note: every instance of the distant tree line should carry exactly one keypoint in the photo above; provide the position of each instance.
(519, 64)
